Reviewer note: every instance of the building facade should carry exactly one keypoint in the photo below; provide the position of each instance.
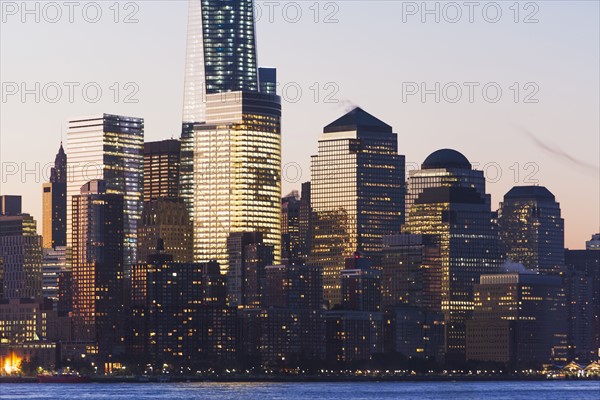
(54, 204)
(356, 194)
(161, 169)
(110, 148)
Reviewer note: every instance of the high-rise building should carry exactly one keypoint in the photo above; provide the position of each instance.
(411, 271)
(54, 265)
(357, 194)
(445, 167)
(584, 265)
(20, 251)
(267, 79)
(110, 148)
(305, 222)
(237, 173)
(186, 167)
(248, 256)
(290, 226)
(531, 229)
(518, 319)
(166, 218)
(97, 269)
(460, 220)
(221, 53)
(161, 169)
(593, 243)
(361, 285)
(54, 204)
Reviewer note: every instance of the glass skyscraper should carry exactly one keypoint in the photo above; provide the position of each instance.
(357, 194)
(459, 219)
(54, 199)
(111, 148)
(237, 173)
(532, 231)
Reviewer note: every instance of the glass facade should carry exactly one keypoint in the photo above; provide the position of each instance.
(54, 204)
(221, 52)
(356, 194)
(108, 147)
(161, 169)
(237, 173)
(532, 231)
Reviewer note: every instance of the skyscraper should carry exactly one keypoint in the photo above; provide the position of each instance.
(531, 229)
(357, 194)
(161, 169)
(459, 218)
(97, 274)
(110, 148)
(290, 226)
(237, 173)
(221, 53)
(54, 199)
(445, 167)
(20, 251)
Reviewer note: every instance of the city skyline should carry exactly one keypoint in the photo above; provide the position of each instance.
(538, 129)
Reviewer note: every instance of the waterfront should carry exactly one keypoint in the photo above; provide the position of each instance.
(514, 390)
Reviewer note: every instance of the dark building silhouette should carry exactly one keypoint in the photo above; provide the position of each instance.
(519, 320)
(97, 272)
(267, 79)
(166, 218)
(161, 169)
(54, 204)
(357, 194)
(584, 266)
(248, 257)
(290, 226)
(531, 228)
(361, 285)
(305, 222)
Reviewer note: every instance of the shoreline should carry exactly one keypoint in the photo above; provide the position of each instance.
(306, 379)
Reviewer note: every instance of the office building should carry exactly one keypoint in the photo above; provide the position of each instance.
(290, 226)
(531, 229)
(161, 169)
(54, 204)
(519, 320)
(356, 194)
(97, 269)
(109, 148)
(20, 251)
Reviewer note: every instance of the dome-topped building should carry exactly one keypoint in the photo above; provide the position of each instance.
(446, 158)
(444, 168)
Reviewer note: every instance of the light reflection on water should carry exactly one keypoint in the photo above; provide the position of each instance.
(576, 390)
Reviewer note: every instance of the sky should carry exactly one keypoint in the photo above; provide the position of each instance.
(514, 86)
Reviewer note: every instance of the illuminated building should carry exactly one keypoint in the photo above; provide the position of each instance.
(54, 204)
(110, 148)
(97, 268)
(444, 168)
(290, 226)
(267, 79)
(237, 173)
(161, 169)
(54, 265)
(166, 218)
(20, 251)
(356, 194)
(361, 285)
(220, 52)
(179, 311)
(531, 229)
(518, 319)
(459, 219)
(353, 335)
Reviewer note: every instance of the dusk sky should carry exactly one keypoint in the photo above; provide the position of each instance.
(374, 55)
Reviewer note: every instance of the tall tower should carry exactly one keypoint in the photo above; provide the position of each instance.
(459, 220)
(161, 169)
(97, 246)
(237, 173)
(531, 228)
(220, 58)
(54, 199)
(110, 148)
(356, 194)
